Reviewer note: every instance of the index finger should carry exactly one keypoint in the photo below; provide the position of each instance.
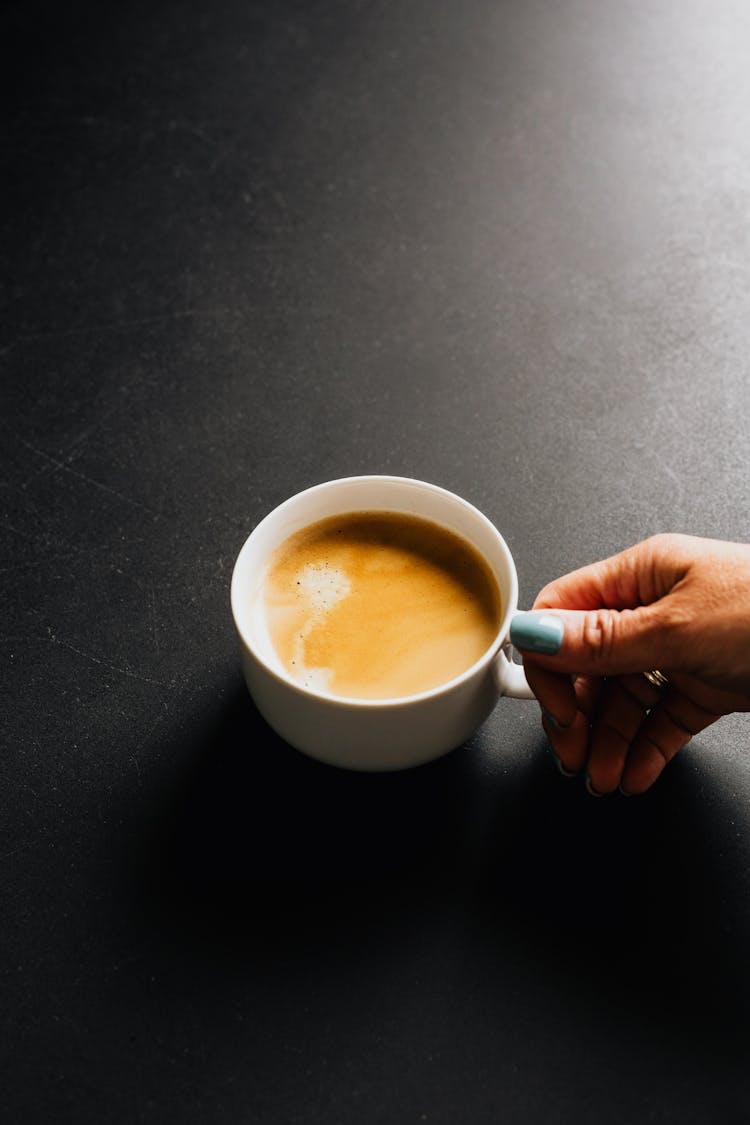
(637, 576)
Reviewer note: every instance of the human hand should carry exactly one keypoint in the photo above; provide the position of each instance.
(673, 602)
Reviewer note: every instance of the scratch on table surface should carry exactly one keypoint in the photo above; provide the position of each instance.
(112, 491)
(673, 423)
(66, 467)
(17, 531)
(52, 464)
(108, 664)
(137, 764)
(14, 851)
(667, 468)
(22, 565)
(152, 609)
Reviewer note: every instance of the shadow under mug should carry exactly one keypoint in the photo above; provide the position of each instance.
(373, 734)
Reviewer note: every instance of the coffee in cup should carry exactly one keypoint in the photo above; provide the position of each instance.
(379, 605)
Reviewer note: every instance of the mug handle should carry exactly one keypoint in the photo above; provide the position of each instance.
(510, 678)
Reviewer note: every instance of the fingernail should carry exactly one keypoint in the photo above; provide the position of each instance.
(590, 788)
(537, 632)
(561, 768)
(553, 721)
(558, 726)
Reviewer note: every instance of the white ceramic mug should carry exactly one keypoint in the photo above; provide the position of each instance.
(373, 734)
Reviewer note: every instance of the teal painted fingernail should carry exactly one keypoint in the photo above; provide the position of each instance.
(537, 632)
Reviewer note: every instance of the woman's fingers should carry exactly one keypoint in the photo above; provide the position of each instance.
(634, 577)
(555, 692)
(666, 729)
(623, 705)
(569, 744)
(566, 729)
(673, 602)
(567, 705)
(621, 730)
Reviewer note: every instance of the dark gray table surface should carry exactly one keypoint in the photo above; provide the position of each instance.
(247, 247)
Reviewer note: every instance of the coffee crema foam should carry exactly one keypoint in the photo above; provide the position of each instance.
(379, 605)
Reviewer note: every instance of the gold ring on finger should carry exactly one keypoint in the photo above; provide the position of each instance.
(657, 679)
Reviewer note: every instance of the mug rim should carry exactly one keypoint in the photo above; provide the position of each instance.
(359, 703)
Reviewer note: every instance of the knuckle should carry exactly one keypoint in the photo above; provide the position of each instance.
(680, 723)
(615, 738)
(599, 634)
(548, 597)
(667, 544)
(661, 755)
(676, 622)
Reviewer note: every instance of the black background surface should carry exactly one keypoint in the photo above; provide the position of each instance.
(504, 247)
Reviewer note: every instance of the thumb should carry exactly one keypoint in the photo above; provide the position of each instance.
(598, 642)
